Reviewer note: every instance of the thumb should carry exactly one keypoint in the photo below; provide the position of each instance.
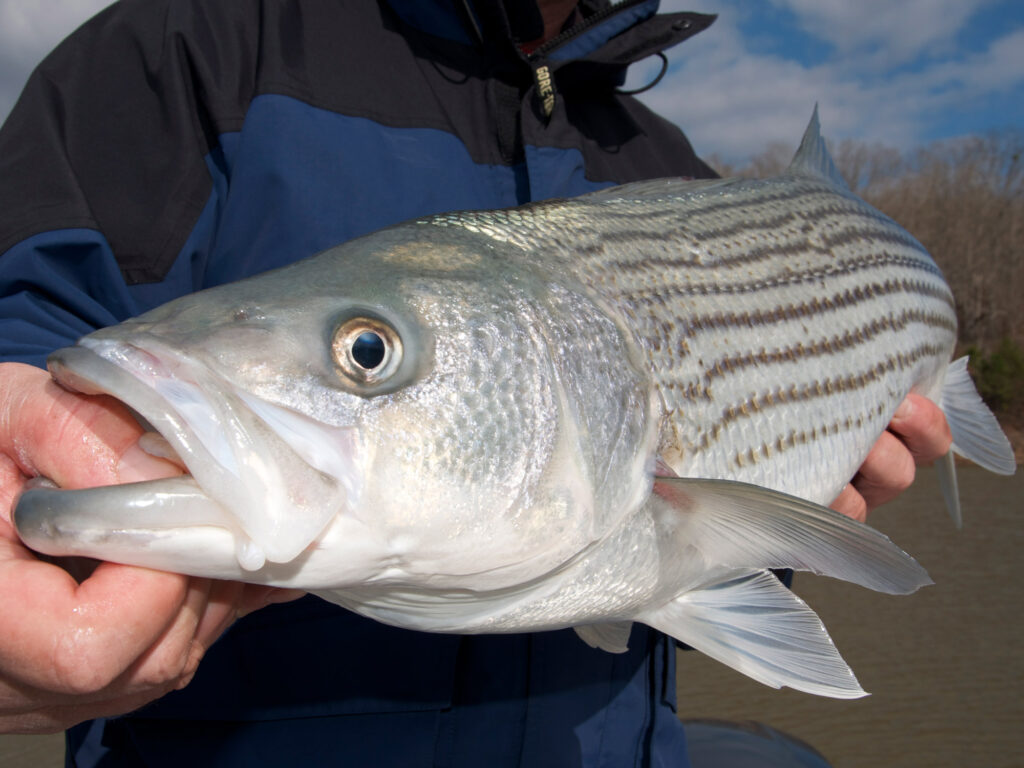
(78, 441)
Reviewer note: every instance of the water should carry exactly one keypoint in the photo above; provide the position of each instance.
(944, 665)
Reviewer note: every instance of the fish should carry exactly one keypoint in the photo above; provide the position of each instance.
(628, 406)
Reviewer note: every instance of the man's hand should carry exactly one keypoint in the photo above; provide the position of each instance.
(125, 635)
(917, 434)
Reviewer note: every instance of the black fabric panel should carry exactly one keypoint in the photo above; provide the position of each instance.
(636, 145)
(113, 127)
(115, 141)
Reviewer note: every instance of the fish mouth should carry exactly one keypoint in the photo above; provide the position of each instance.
(265, 477)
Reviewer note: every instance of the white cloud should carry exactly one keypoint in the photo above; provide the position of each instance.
(892, 32)
(732, 101)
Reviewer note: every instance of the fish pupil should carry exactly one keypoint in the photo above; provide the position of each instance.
(368, 350)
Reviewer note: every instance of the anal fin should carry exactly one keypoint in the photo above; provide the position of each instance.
(751, 622)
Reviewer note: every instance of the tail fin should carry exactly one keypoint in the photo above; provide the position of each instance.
(976, 434)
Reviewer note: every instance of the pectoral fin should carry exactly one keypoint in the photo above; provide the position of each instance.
(752, 623)
(743, 526)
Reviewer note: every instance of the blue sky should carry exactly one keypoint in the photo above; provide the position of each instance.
(896, 72)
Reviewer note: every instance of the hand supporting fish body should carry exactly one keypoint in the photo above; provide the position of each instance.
(626, 406)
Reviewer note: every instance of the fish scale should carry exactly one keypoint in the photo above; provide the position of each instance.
(791, 301)
(624, 407)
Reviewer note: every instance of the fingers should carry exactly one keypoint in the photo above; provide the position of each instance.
(918, 434)
(77, 441)
(130, 637)
(921, 426)
(123, 636)
(887, 471)
(851, 503)
(81, 638)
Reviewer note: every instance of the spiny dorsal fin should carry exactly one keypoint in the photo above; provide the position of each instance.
(813, 158)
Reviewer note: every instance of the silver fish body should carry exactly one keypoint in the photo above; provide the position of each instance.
(622, 407)
(782, 321)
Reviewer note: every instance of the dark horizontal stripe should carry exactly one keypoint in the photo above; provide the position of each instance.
(639, 211)
(788, 248)
(832, 205)
(751, 194)
(805, 310)
(795, 438)
(835, 344)
(834, 386)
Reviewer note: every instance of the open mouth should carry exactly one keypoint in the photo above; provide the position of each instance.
(267, 477)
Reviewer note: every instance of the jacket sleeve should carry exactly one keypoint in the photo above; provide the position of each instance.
(103, 171)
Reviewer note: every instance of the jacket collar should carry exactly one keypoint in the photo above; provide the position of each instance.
(610, 34)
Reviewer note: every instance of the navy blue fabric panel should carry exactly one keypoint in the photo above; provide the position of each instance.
(603, 699)
(570, 706)
(55, 287)
(403, 739)
(558, 173)
(485, 724)
(434, 17)
(594, 38)
(188, 268)
(301, 179)
(311, 658)
(300, 684)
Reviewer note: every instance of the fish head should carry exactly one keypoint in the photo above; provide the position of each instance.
(419, 404)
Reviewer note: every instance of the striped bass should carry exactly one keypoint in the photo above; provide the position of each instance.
(626, 406)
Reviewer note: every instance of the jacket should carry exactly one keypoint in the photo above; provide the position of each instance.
(172, 145)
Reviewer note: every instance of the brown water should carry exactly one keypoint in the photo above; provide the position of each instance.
(945, 666)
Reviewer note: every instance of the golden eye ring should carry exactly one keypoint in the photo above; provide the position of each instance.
(366, 350)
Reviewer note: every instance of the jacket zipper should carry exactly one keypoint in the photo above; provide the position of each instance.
(541, 50)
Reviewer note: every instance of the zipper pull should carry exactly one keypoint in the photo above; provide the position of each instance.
(545, 83)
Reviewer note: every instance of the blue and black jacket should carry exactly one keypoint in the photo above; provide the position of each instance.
(172, 145)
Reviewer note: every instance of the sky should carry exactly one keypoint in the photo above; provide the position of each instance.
(896, 72)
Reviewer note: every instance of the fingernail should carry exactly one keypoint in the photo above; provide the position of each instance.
(136, 465)
(904, 409)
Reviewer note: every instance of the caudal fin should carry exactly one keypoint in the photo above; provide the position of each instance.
(976, 434)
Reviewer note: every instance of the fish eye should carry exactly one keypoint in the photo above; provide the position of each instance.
(366, 350)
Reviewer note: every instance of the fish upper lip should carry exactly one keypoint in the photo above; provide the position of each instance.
(221, 440)
(84, 369)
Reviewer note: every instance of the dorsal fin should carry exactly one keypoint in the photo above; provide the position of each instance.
(812, 157)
